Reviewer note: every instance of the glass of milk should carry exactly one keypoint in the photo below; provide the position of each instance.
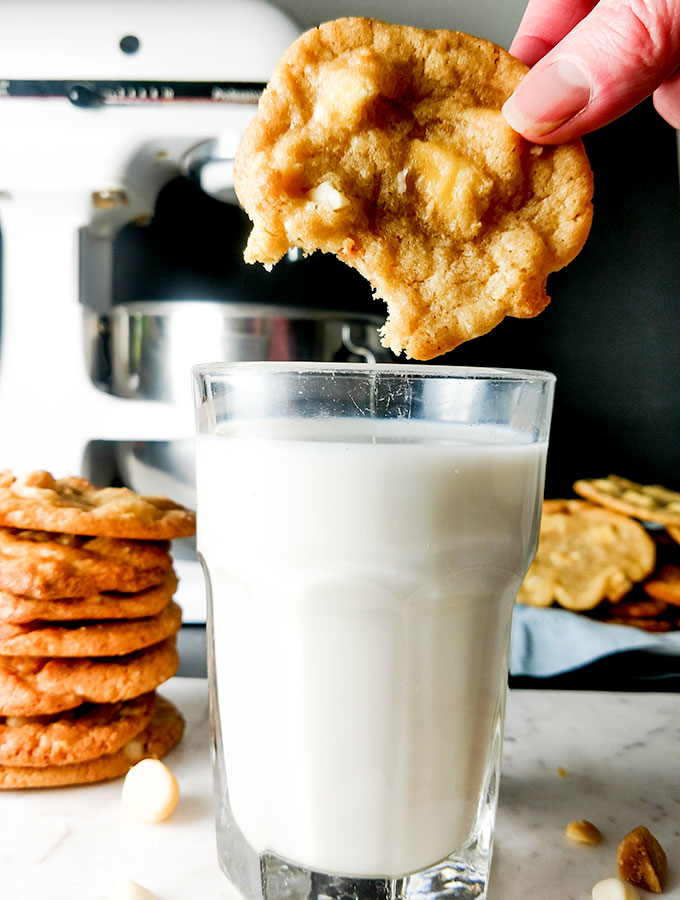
(363, 531)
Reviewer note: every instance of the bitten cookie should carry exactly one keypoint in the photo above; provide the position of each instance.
(586, 554)
(74, 505)
(385, 145)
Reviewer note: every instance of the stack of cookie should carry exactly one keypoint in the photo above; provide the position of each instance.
(87, 629)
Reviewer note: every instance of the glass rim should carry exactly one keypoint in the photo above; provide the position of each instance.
(470, 373)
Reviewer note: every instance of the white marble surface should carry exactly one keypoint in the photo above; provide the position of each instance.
(620, 753)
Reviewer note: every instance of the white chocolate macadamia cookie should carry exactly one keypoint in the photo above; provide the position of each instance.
(385, 145)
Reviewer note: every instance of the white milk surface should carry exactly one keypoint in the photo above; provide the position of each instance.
(362, 596)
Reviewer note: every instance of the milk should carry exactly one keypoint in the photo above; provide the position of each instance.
(362, 591)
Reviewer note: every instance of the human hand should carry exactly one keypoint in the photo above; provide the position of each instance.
(593, 61)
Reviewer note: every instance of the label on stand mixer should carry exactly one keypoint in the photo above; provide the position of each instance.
(95, 93)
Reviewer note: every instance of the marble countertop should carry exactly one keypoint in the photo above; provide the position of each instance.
(609, 758)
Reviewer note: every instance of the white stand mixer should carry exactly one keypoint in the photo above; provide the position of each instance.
(100, 101)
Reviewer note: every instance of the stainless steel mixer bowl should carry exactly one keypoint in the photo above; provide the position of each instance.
(153, 344)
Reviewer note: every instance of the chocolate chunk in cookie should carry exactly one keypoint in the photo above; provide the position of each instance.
(385, 145)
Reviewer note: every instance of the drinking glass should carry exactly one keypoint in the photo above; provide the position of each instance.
(363, 531)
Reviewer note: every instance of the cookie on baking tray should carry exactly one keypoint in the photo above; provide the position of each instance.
(48, 566)
(37, 501)
(385, 145)
(586, 554)
(34, 685)
(19, 608)
(162, 733)
(650, 502)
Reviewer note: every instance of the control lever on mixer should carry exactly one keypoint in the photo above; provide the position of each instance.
(84, 96)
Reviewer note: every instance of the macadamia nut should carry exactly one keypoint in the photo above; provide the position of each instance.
(614, 889)
(130, 890)
(150, 791)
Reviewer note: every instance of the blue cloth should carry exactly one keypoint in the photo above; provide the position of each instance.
(547, 642)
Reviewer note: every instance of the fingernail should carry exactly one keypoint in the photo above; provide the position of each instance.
(546, 99)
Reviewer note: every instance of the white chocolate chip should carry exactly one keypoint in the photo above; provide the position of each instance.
(343, 96)
(325, 194)
(16, 721)
(130, 890)
(150, 792)
(614, 889)
(401, 181)
(134, 750)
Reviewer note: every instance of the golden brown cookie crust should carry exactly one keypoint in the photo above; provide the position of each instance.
(586, 554)
(89, 731)
(33, 685)
(636, 607)
(40, 502)
(49, 566)
(674, 532)
(649, 502)
(162, 733)
(664, 586)
(385, 145)
(109, 638)
(20, 697)
(18, 609)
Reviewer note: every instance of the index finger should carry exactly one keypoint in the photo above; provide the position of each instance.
(544, 24)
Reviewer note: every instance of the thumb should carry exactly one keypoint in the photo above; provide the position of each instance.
(614, 58)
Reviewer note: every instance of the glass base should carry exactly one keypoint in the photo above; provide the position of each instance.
(463, 876)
